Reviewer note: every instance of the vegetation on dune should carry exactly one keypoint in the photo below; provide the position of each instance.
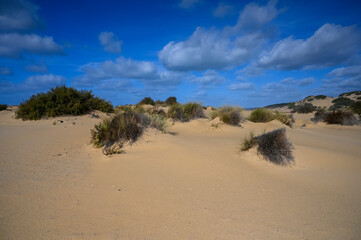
(273, 146)
(356, 107)
(170, 101)
(147, 100)
(340, 103)
(350, 93)
(320, 97)
(125, 126)
(61, 101)
(340, 117)
(266, 115)
(3, 107)
(304, 108)
(185, 112)
(176, 112)
(278, 105)
(228, 115)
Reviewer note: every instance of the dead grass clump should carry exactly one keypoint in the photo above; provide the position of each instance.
(176, 112)
(273, 146)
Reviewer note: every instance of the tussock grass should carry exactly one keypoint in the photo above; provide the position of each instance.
(176, 112)
(125, 126)
(61, 101)
(185, 112)
(273, 146)
(228, 115)
(261, 115)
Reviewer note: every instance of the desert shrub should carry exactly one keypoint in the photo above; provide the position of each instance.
(340, 117)
(61, 101)
(193, 110)
(228, 115)
(176, 112)
(283, 118)
(147, 100)
(304, 108)
(310, 99)
(350, 93)
(248, 142)
(341, 102)
(125, 126)
(356, 107)
(170, 101)
(3, 107)
(157, 111)
(319, 115)
(273, 146)
(320, 97)
(261, 115)
(291, 105)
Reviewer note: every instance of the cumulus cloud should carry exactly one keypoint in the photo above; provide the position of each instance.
(32, 83)
(330, 45)
(40, 68)
(254, 17)
(5, 71)
(301, 82)
(209, 78)
(187, 4)
(217, 49)
(110, 42)
(223, 9)
(241, 86)
(18, 15)
(12, 45)
(344, 79)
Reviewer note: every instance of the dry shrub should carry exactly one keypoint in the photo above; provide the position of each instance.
(261, 115)
(285, 119)
(340, 117)
(176, 112)
(304, 108)
(273, 146)
(228, 115)
(193, 110)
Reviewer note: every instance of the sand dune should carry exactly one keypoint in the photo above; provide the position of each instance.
(192, 183)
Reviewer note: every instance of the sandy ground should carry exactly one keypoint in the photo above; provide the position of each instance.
(192, 183)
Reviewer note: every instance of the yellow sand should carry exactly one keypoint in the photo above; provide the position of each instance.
(192, 183)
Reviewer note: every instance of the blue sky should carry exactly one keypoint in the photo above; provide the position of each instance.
(216, 52)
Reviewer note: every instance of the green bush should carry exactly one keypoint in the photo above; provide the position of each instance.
(170, 101)
(304, 108)
(3, 107)
(261, 115)
(350, 93)
(228, 115)
(356, 107)
(341, 102)
(310, 99)
(320, 97)
(283, 118)
(192, 110)
(61, 101)
(176, 112)
(147, 100)
(319, 115)
(273, 146)
(340, 117)
(291, 105)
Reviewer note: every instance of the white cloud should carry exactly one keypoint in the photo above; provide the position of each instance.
(241, 86)
(187, 4)
(18, 15)
(330, 45)
(218, 49)
(223, 9)
(44, 81)
(210, 77)
(110, 42)
(12, 45)
(301, 82)
(5, 71)
(351, 71)
(344, 79)
(254, 16)
(40, 68)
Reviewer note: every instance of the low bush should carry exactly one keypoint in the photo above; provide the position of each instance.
(228, 115)
(170, 101)
(310, 99)
(285, 119)
(319, 115)
(176, 112)
(291, 105)
(147, 100)
(304, 108)
(261, 115)
(193, 110)
(123, 127)
(350, 93)
(340, 117)
(61, 101)
(356, 107)
(320, 97)
(340, 103)
(273, 146)
(3, 107)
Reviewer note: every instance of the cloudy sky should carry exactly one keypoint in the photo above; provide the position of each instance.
(215, 52)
